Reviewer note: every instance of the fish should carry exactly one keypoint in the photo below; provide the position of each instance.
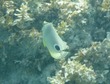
(55, 45)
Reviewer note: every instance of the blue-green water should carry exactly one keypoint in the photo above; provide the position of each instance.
(83, 24)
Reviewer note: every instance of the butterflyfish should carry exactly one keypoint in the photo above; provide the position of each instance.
(55, 45)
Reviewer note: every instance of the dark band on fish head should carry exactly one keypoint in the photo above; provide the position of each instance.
(57, 47)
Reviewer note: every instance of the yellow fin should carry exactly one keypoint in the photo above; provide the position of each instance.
(44, 43)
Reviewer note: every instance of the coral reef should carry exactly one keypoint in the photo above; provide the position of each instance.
(105, 6)
(98, 56)
(83, 24)
(73, 71)
(22, 16)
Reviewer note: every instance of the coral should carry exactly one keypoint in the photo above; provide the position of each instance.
(73, 71)
(98, 57)
(69, 9)
(77, 38)
(105, 6)
(9, 6)
(6, 13)
(22, 15)
(62, 27)
(83, 24)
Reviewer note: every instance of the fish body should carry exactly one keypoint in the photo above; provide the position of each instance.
(53, 42)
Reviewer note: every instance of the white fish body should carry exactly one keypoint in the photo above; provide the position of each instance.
(53, 42)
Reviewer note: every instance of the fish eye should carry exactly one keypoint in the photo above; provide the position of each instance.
(57, 47)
